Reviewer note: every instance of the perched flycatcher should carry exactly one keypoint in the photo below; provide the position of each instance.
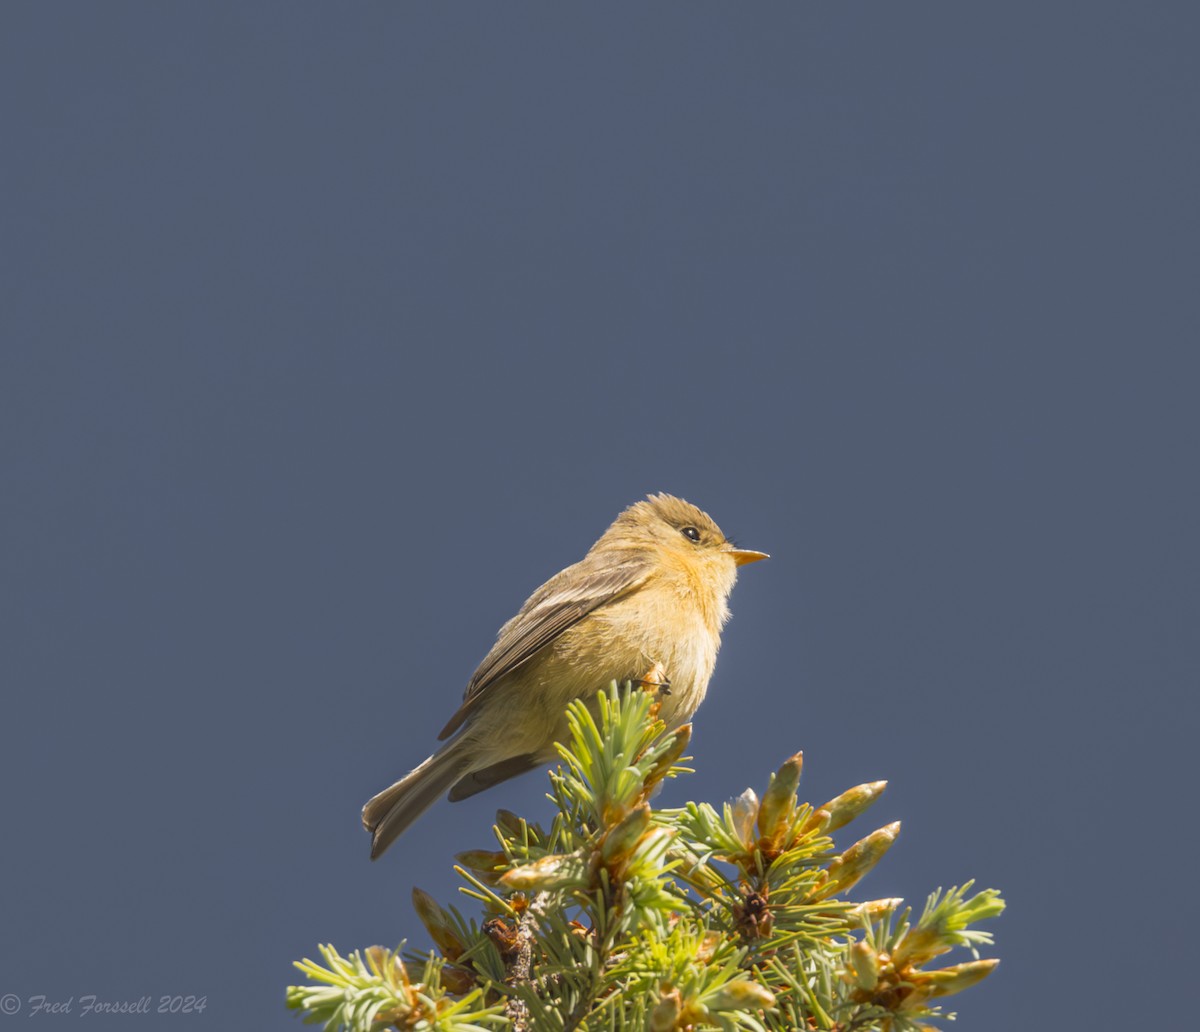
(650, 595)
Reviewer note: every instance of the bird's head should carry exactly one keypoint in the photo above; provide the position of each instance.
(682, 535)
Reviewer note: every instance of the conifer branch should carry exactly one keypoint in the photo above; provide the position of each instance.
(623, 917)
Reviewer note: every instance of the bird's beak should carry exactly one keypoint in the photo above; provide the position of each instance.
(742, 556)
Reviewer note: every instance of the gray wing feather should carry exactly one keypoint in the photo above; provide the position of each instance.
(564, 600)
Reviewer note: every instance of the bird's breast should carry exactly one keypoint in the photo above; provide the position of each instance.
(661, 626)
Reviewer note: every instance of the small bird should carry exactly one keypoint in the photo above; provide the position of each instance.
(650, 596)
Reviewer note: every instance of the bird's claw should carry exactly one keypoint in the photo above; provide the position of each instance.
(655, 680)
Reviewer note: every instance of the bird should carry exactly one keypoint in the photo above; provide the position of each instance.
(651, 595)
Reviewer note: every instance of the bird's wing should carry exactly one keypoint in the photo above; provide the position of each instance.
(560, 603)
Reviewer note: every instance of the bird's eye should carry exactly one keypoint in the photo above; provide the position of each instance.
(691, 533)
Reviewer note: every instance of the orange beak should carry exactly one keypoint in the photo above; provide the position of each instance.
(742, 556)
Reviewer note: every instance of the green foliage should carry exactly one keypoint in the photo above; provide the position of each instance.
(371, 989)
(622, 917)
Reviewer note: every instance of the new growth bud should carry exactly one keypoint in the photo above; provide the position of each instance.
(485, 864)
(682, 736)
(849, 868)
(546, 874)
(739, 994)
(948, 981)
(873, 908)
(844, 808)
(509, 823)
(745, 810)
(437, 922)
(779, 803)
(622, 840)
(665, 1016)
(865, 964)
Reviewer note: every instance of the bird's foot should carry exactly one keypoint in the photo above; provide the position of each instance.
(656, 682)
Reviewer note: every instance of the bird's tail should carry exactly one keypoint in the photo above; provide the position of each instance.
(394, 809)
